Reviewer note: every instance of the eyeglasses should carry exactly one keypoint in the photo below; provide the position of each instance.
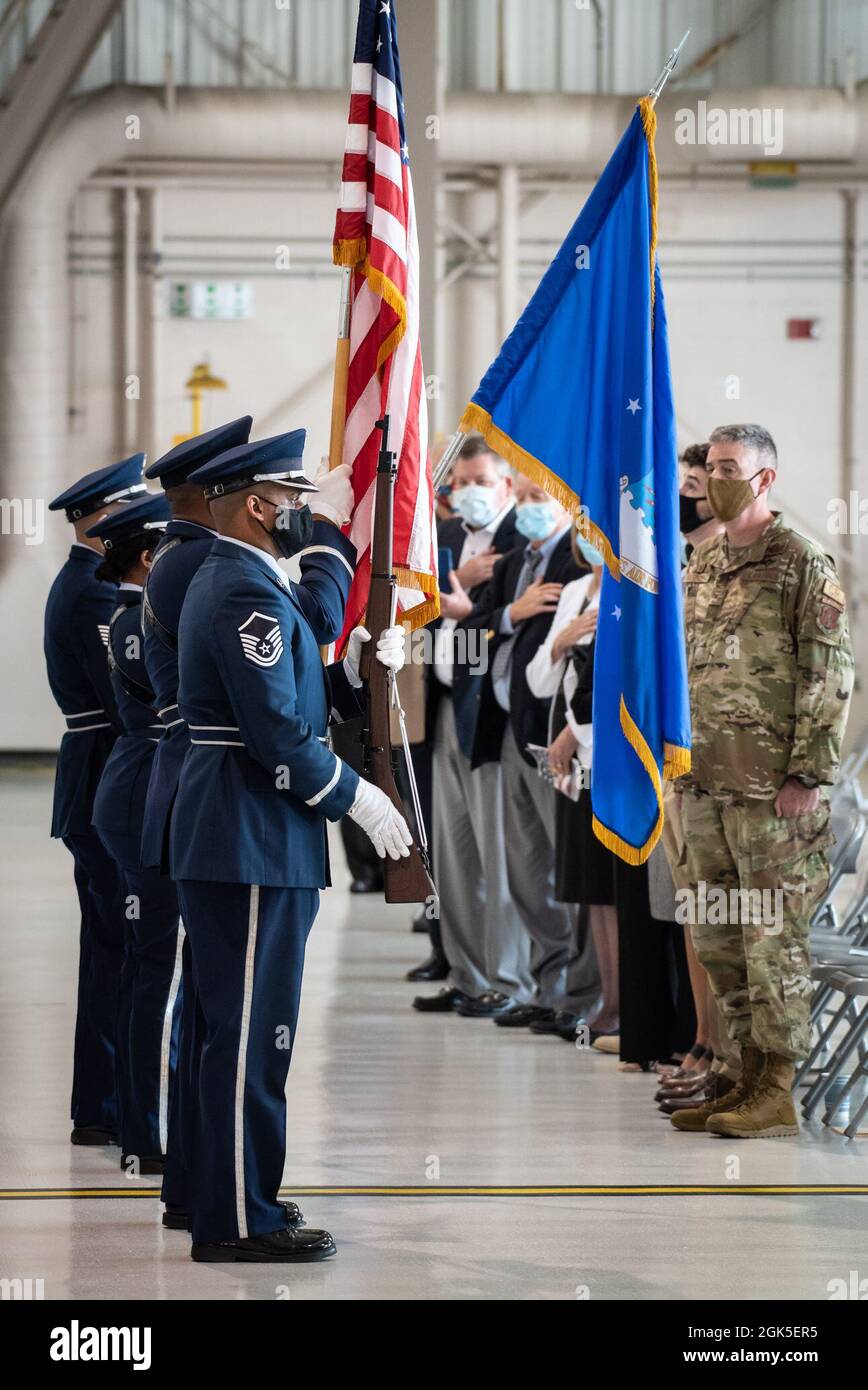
(293, 504)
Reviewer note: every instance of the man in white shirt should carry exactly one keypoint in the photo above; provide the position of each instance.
(482, 933)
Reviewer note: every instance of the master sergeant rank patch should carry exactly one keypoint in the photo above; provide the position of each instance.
(261, 639)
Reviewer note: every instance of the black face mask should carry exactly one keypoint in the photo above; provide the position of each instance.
(688, 514)
(293, 530)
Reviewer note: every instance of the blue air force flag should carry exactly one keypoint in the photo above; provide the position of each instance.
(580, 399)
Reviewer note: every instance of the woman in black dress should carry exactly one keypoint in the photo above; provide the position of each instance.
(656, 1005)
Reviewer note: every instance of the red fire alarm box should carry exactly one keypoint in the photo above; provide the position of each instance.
(803, 328)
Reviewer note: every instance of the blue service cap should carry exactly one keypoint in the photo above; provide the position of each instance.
(175, 467)
(138, 518)
(118, 481)
(275, 460)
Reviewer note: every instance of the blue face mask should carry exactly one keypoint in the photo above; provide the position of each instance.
(590, 552)
(536, 520)
(475, 503)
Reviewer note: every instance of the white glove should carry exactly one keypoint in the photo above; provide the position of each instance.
(386, 828)
(335, 500)
(391, 651)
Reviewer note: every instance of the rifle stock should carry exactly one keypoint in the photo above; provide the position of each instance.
(406, 880)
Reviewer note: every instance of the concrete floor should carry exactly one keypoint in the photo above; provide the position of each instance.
(382, 1097)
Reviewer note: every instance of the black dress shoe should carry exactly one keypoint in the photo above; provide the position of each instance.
(522, 1016)
(92, 1135)
(276, 1247)
(149, 1165)
(442, 1003)
(369, 883)
(177, 1218)
(487, 1005)
(559, 1021)
(436, 967)
(567, 1030)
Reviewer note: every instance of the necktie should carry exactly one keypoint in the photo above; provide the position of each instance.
(501, 666)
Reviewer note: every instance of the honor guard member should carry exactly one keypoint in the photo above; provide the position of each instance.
(770, 670)
(151, 972)
(248, 834)
(186, 542)
(77, 616)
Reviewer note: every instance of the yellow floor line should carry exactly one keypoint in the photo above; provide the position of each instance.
(432, 1190)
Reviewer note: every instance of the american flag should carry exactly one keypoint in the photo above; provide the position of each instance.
(375, 234)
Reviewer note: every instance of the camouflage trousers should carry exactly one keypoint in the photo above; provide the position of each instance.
(752, 937)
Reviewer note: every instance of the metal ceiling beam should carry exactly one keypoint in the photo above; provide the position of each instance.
(47, 73)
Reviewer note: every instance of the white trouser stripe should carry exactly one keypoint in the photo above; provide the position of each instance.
(241, 1071)
(166, 1040)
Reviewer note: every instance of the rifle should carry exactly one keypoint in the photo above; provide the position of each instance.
(406, 880)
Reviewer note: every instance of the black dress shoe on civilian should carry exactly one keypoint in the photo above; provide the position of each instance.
(561, 1019)
(368, 883)
(436, 967)
(522, 1016)
(276, 1247)
(487, 1005)
(152, 1164)
(568, 1030)
(91, 1136)
(177, 1218)
(442, 1003)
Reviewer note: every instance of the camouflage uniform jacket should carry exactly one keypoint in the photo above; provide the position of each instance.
(770, 666)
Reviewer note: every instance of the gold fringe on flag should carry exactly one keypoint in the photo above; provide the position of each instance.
(350, 252)
(676, 761)
(631, 854)
(649, 125)
(475, 418)
(423, 612)
(354, 253)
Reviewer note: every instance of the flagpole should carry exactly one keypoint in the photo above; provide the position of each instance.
(444, 467)
(342, 371)
(667, 71)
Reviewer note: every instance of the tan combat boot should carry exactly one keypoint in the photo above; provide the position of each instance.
(693, 1120)
(768, 1111)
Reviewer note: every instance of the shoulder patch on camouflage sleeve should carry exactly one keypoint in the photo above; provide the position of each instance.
(833, 593)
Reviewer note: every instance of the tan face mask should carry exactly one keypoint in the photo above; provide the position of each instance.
(728, 497)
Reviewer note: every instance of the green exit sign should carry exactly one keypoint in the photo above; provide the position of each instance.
(226, 300)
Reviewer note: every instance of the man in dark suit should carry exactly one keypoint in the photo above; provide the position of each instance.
(483, 936)
(515, 610)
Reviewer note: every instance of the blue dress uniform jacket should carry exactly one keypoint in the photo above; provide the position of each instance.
(119, 804)
(148, 996)
(249, 854)
(77, 617)
(183, 548)
(258, 781)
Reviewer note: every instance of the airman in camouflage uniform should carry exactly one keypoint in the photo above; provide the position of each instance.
(770, 670)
